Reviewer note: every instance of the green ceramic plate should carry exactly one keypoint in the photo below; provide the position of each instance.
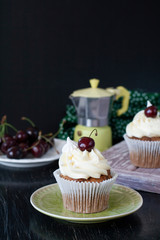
(123, 201)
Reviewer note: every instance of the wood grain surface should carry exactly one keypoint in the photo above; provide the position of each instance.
(138, 178)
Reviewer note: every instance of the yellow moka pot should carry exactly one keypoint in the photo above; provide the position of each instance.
(93, 106)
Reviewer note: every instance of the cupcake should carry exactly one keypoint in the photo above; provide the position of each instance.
(84, 177)
(143, 138)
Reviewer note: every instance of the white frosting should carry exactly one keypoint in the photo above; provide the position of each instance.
(77, 164)
(144, 126)
(149, 104)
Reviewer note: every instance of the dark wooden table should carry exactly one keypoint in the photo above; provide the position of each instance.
(20, 221)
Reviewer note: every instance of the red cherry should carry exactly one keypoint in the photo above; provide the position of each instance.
(44, 145)
(86, 143)
(151, 111)
(24, 147)
(9, 142)
(15, 152)
(7, 136)
(21, 136)
(32, 134)
(37, 150)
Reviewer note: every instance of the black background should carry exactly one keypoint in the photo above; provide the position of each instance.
(51, 48)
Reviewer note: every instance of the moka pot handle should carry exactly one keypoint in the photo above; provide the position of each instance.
(121, 91)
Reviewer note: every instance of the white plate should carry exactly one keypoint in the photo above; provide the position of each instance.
(47, 158)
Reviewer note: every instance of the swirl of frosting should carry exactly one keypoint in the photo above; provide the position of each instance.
(144, 126)
(77, 164)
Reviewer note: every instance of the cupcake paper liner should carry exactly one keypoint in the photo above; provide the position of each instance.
(145, 154)
(85, 197)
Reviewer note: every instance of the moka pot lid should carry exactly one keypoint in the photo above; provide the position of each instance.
(93, 91)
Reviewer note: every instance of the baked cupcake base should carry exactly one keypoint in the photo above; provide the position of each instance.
(90, 179)
(144, 152)
(85, 197)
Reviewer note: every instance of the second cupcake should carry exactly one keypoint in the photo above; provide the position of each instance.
(143, 138)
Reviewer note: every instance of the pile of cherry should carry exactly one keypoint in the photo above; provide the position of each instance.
(24, 142)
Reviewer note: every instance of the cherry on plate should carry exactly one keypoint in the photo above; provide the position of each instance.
(9, 142)
(25, 148)
(15, 152)
(37, 150)
(32, 134)
(21, 136)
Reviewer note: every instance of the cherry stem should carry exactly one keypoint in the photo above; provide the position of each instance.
(39, 135)
(2, 130)
(49, 141)
(48, 134)
(46, 139)
(93, 131)
(64, 121)
(35, 144)
(9, 125)
(29, 120)
(3, 120)
(3, 127)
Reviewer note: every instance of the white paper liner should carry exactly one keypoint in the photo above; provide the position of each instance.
(144, 154)
(85, 197)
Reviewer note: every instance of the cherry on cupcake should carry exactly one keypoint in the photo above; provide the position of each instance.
(87, 143)
(151, 111)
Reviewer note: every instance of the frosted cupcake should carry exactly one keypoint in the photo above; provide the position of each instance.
(143, 138)
(84, 178)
